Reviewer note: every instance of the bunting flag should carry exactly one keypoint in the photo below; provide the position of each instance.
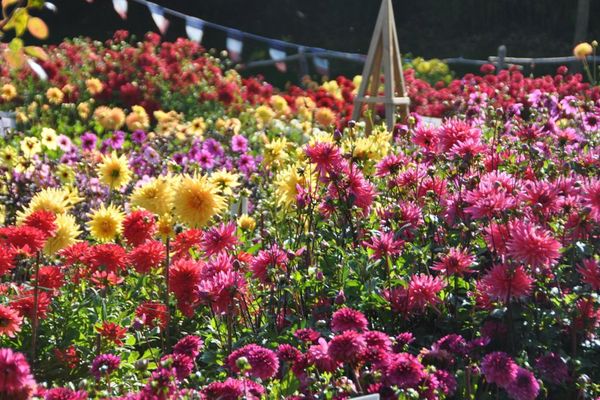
(321, 65)
(194, 27)
(234, 44)
(121, 8)
(7, 122)
(37, 68)
(50, 6)
(278, 55)
(158, 15)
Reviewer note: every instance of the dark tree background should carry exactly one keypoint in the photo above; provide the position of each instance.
(428, 28)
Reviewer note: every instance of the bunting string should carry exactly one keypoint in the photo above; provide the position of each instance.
(278, 49)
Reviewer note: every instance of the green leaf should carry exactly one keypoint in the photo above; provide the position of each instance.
(35, 3)
(18, 21)
(15, 45)
(36, 52)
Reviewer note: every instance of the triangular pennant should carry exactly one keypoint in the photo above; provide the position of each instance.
(50, 6)
(158, 15)
(37, 68)
(120, 7)
(234, 44)
(194, 27)
(321, 65)
(278, 55)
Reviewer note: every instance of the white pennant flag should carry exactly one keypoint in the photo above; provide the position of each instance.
(37, 68)
(321, 65)
(158, 15)
(278, 55)
(194, 27)
(120, 7)
(234, 45)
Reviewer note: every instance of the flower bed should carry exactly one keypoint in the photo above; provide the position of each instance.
(175, 231)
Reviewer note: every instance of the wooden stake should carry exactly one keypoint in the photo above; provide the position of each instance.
(384, 52)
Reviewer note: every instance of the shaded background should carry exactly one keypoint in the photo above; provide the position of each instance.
(427, 28)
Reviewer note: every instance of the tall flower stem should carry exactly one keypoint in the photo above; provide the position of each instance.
(166, 294)
(34, 318)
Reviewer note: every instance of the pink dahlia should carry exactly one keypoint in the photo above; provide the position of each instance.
(591, 198)
(590, 273)
(65, 394)
(16, 381)
(384, 245)
(404, 370)
(347, 347)
(288, 353)
(454, 131)
(10, 321)
(263, 362)
(181, 363)
(218, 239)
(524, 386)
(105, 364)
(455, 262)
(189, 345)
(220, 290)
(532, 245)
(326, 156)
(346, 319)
(234, 389)
(318, 354)
(552, 368)
(499, 368)
(268, 262)
(503, 283)
(424, 290)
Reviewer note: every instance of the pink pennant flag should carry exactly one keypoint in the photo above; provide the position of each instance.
(158, 15)
(234, 46)
(121, 8)
(278, 55)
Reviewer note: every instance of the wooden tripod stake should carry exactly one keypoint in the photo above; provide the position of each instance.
(384, 52)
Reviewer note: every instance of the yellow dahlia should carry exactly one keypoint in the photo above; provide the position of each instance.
(105, 223)
(83, 109)
(8, 92)
(58, 201)
(155, 196)
(582, 50)
(164, 227)
(287, 182)
(66, 234)
(114, 171)
(137, 119)
(94, 86)
(246, 222)
(276, 152)
(264, 115)
(197, 200)
(324, 116)
(225, 181)
(55, 95)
